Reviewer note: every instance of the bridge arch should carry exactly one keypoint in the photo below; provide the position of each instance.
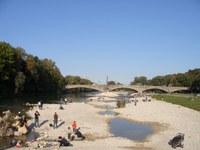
(84, 86)
(180, 90)
(133, 89)
(154, 89)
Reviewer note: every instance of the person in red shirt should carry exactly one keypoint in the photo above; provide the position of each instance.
(74, 126)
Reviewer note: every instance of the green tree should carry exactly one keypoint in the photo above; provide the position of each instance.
(19, 82)
(77, 80)
(111, 83)
(195, 87)
(140, 80)
(23, 73)
(11, 62)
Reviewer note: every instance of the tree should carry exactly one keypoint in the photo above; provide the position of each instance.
(23, 73)
(140, 80)
(77, 80)
(11, 62)
(111, 83)
(19, 82)
(195, 87)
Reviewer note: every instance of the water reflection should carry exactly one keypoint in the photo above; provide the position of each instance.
(109, 113)
(106, 107)
(128, 129)
(17, 104)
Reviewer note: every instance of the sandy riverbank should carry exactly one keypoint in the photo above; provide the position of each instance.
(168, 118)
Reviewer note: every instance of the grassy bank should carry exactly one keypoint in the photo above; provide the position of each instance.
(180, 99)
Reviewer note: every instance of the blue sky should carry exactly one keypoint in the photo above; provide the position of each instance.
(120, 39)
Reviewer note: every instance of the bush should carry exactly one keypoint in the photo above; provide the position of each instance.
(121, 103)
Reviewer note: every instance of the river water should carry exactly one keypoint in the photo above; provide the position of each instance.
(17, 104)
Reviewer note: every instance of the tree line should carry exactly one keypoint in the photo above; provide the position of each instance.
(22, 73)
(188, 79)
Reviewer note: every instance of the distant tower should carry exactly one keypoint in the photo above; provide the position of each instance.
(106, 80)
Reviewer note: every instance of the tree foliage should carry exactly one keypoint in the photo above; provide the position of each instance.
(23, 73)
(111, 83)
(189, 79)
(77, 80)
(142, 80)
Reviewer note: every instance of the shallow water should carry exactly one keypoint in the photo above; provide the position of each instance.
(106, 107)
(131, 130)
(109, 113)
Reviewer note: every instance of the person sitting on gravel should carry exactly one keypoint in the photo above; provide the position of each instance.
(61, 107)
(79, 134)
(63, 141)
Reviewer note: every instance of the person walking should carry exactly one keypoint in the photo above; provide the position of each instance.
(37, 114)
(74, 126)
(40, 105)
(55, 121)
(65, 100)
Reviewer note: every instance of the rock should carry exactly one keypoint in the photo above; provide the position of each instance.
(42, 144)
(17, 118)
(1, 133)
(9, 132)
(6, 115)
(16, 133)
(23, 129)
(15, 124)
(28, 104)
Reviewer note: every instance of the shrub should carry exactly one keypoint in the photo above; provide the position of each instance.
(121, 103)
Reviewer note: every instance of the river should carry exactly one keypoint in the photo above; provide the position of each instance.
(17, 104)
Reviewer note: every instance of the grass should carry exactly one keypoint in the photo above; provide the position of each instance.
(189, 101)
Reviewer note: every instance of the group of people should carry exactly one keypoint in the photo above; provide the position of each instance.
(22, 120)
(21, 126)
(55, 120)
(71, 135)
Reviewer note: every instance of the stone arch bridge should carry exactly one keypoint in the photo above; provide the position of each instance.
(137, 88)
